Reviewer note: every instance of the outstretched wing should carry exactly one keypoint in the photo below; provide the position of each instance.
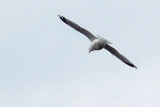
(119, 56)
(89, 35)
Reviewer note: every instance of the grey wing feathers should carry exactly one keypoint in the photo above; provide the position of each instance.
(119, 56)
(89, 35)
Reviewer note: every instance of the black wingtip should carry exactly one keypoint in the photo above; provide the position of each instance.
(135, 67)
(131, 65)
(62, 18)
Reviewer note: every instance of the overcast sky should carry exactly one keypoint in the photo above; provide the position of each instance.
(45, 63)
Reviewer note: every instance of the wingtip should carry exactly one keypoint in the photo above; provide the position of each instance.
(62, 18)
(135, 67)
(131, 65)
(58, 15)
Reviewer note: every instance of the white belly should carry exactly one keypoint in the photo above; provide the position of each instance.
(98, 45)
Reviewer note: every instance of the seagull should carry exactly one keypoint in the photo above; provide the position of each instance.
(97, 43)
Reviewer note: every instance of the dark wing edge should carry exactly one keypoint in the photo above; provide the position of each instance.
(89, 35)
(119, 56)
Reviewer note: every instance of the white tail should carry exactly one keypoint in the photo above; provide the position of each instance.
(104, 41)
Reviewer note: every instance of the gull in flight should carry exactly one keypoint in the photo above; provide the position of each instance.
(97, 43)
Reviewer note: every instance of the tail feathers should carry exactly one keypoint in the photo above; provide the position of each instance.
(103, 40)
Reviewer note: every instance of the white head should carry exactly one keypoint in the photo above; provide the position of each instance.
(91, 48)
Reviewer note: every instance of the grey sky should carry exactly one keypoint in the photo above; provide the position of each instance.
(44, 62)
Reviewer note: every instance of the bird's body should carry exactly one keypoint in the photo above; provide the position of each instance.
(97, 43)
